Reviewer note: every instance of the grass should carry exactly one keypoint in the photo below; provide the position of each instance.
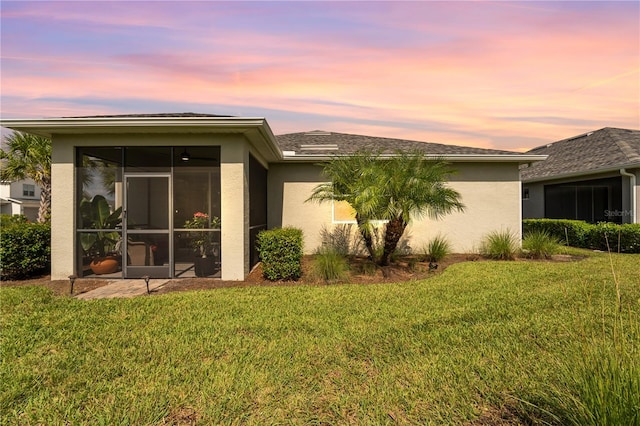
(480, 337)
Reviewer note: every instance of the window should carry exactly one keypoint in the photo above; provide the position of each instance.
(343, 212)
(28, 190)
(525, 193)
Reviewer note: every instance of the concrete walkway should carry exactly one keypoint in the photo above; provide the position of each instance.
(122, 288)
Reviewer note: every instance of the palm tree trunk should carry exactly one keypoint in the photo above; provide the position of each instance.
(366, 236)
(44, 212)
(395, 229)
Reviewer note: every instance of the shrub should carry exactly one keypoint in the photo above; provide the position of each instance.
(343, 238)
(25, 250)
(539, 244)
(436, 249)
(502, 245)
(621, 238)
(329, 265)
(281, 253)
(578, 233)
(570, 232)
(7, 220)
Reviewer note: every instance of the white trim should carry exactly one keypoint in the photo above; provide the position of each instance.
(255, 129)
(505, 158)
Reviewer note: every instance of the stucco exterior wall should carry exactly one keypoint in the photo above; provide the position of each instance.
(491, 194)
(234, 195)
(63, 223)
(533, 208)
(490, 191)
(289, 185)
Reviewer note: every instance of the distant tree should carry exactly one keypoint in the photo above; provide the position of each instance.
(394, 189)
(29, 156)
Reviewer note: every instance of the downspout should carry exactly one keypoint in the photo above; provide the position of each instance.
(632, 200)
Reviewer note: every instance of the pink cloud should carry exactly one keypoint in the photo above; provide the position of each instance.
(476, 76)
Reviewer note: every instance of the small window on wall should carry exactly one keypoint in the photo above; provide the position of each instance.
(343, 212)
(28, 190)
(525, 193)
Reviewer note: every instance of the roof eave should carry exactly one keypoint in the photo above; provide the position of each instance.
(254, 128)
(633, 165)
(515, 158)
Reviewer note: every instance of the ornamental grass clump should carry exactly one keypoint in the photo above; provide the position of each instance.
(500, 245)
(436, 249)
(329, 265)
(540, 244)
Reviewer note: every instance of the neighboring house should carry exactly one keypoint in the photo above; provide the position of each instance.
(167, 171)
(593, 177)
(20, 197)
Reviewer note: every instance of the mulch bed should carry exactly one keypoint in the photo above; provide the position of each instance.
(362, 272)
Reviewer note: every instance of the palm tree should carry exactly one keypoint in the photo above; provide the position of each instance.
(352, 179)
(395, 189)
(29, 156)
(411, 186)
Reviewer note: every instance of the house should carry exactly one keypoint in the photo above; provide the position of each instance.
(593, 177)
(157, 181)
(20, 197)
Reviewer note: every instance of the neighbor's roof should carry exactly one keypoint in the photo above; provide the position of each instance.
(319, 143)
(603, 150)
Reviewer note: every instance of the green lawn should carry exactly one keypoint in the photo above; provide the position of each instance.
(477, 338)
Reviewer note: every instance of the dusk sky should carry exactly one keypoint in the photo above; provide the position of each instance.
(507, 75)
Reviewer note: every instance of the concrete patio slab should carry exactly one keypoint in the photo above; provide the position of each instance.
(123, 288)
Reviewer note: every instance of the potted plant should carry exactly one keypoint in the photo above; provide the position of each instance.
(96, 214)
(201, 241)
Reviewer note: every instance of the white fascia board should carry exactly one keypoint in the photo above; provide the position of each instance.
(49, 126)
(516, 158)
(254, 128)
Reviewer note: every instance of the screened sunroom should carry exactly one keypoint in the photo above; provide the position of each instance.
(164, 196)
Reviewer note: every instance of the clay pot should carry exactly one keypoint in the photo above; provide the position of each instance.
(104, 265)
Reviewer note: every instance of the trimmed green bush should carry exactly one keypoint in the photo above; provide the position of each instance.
(539, 244)
(437, 248)
(329, 265)
(573, 233)
(577, 233)
(25, 250)
(621, 238)
(501, 245)
(281, 253)
(7, 220)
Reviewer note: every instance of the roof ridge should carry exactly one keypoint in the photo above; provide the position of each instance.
(624, 146)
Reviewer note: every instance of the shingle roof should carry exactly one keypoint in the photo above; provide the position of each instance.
(167, 114)
(321, 143)
(603, 149)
